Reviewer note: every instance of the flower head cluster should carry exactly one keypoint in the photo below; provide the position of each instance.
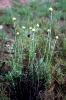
(33, 30)
(30, 28)
(57, 37)
(17, 33)
(37, 25)
(48, 30)
(14, 18)
(51, 9)
(23, 27)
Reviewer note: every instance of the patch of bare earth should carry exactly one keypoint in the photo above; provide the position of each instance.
(7, 3)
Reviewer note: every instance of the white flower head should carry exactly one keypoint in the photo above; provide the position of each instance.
(17, 33)
(14, 18)
(51, 9)
(23, 27)
(33, 30)
(57, 37)
(30, 28)
(37, 25)
(48, 30)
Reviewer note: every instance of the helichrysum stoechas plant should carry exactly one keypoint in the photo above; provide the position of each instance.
(48, 52)
(14, 21)
(32, 44)
(51, 10)
(33, 33)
